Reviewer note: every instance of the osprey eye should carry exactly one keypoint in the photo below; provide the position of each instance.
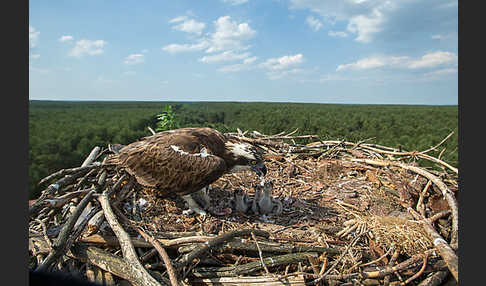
(253, 162)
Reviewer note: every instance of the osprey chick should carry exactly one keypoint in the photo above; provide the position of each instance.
(187, 160)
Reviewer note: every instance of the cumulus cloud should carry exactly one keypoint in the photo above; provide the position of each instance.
(235, 2)
(429, 60)
(369, 19)
(33, 37)
(182, 48)
(434, 59)
(134, 59)
(65, 38)
(87, 47)
(188, 25)
(366, 25)
(247, 64)
(314, 23)
(229, 34)
(224, 57)
(366, 63)
(283, 62)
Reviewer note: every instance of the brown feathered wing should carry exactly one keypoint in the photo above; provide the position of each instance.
(173, 163)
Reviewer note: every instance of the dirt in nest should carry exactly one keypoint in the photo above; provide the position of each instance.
(317, 195)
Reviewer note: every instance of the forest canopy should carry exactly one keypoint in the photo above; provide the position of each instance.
(62, 133)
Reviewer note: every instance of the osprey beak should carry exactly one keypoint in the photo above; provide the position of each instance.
(260, 169)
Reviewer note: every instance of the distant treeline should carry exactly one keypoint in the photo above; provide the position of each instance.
(61, 134)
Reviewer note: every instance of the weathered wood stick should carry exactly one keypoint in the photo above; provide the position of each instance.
(383, 271)
(103, 259)
(251, 267)
(137, 242)
(219, 240)
(240, 246)
(79, 171)
(51, 189)
(163, 254)
(138, 274)
(64, 199)
(91, 157)
(434, 279)
(445, 251)
(297, 280)
(60, 245)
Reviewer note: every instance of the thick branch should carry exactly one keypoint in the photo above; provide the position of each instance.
(252, 267)
(219, 240)
(138, 275)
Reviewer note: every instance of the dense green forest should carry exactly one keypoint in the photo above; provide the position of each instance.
(62, 133)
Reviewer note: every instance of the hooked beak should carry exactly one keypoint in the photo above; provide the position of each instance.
(260, 169)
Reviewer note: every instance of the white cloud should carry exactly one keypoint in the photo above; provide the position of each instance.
(34, 56)
(366, 25)
(340, 34)
(178, 48)
(188, 25)
(87, 47)
(314, 23)
(235, 2)
(429, 60)
(434, 59)
(283, 62)
(65, 38)
(247, 64)
(229, 35)
(33, 37)
(367, 63)
(365, 18)
(134, 59)
(224, 57)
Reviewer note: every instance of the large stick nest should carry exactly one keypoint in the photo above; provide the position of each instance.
(351, 211)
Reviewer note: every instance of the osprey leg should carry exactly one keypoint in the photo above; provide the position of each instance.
(197, 202)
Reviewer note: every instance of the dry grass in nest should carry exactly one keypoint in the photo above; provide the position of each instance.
(407, 236)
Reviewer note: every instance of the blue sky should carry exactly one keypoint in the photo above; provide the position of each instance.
(347, 51)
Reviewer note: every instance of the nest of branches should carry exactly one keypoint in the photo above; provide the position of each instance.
(354, 213)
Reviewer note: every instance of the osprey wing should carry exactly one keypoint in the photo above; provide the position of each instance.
(172, 165)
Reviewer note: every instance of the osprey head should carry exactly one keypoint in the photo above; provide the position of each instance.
(246, 157)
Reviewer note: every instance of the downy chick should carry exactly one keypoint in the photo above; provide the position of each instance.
(240, 201)
(265, 203)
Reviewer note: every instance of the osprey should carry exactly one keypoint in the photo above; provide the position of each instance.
(185, 161)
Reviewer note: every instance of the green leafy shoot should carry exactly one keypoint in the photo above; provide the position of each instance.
(166, 120)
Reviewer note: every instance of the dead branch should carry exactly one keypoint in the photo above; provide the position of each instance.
(104, 260)
(91, 157)
(445, 251)
(297, 280)
(217, 241)
(136, 272)
(251, 267)
(60, 245)
(163, 254)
